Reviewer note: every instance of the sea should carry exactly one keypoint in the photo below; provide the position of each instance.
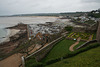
(11, 21)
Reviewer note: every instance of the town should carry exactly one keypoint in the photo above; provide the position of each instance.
(39, 45)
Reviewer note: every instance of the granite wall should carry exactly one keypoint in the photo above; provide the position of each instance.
(98, 32)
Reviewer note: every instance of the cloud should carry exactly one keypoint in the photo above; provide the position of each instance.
(42, 6)
(90, 4)
(93, 1)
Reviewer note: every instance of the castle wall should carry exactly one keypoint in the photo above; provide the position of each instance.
(98, 32)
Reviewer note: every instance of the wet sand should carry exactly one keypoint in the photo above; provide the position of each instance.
(11, 32)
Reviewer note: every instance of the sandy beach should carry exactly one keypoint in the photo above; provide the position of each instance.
(11, 32)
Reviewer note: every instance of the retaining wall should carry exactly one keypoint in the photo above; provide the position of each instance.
(41, 53)
(87, 43)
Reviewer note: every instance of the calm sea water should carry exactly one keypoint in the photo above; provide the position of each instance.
(11, 21)
(3, 32)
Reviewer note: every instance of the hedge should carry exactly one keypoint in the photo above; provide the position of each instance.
(51, 61)
(73, 53)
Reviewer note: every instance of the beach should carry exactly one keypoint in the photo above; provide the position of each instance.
(12, 21)
(10, 32)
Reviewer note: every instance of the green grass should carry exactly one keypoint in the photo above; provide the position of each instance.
(90, 58)
(94, 36)
(30, 61)
(80, 43)
(61, 49)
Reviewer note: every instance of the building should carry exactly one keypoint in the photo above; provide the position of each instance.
(39, 36)
(98, 32)
(47, 28)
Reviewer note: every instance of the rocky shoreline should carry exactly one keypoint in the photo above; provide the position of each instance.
(16, 36)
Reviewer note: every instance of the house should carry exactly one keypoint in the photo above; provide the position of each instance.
(39, 36)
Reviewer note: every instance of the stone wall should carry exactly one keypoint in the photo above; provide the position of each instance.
(78, 29)
(41, 53)
(98, 32)
(86, 43)
(88, 29)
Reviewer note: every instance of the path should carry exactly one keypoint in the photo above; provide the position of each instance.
(11, 61)
(71, 47)
(15, 60)
(37, 46)
(90, 38)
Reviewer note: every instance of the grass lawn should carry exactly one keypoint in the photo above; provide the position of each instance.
(94, 36)
(30, 61)
(60, 49)
(90, 58)
(80, 43)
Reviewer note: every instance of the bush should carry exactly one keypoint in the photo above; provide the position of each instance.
(68, 28)
(50, 61)
(53, 60)
(38, 64)
(73, 53)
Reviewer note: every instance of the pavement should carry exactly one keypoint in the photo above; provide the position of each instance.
(15, 59)
(11, 61)
(73, 45)
(90, 38)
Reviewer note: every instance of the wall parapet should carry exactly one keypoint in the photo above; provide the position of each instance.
(85, 44)
(41, 53)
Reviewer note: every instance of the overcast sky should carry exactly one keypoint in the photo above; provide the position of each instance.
(9, 7)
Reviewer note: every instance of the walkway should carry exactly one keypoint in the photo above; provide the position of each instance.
(11, 61)
(71, 47)
(90, 38)
(15, 60)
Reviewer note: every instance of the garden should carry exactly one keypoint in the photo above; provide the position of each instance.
(84, 36)
(90, 58)
(58, 51)
(61, 51)
(60, 55)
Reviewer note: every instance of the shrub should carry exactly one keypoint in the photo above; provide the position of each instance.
(38, 64)
(73, 53)
(68, 28)
(50, 61)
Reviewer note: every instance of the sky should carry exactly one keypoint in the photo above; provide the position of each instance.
(11, 7)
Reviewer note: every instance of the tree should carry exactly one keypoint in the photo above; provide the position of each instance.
(68, 28)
